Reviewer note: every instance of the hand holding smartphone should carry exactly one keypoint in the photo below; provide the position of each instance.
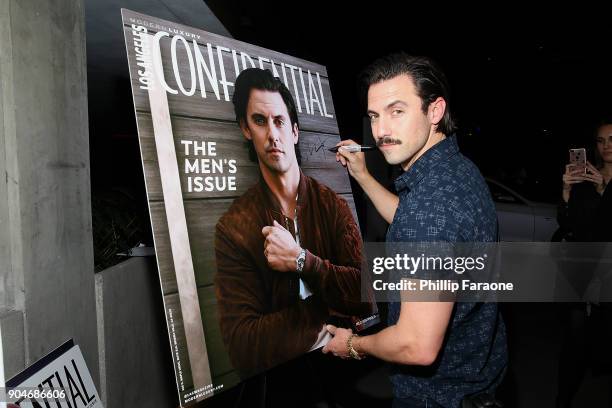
(577, 158)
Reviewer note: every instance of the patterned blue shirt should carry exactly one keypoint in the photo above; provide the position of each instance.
(443, 197)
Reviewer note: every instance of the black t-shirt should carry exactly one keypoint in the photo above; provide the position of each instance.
(587, 217)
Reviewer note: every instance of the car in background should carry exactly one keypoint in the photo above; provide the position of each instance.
(521, 219)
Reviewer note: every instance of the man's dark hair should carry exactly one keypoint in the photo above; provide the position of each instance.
(263, 80)
(429, 81)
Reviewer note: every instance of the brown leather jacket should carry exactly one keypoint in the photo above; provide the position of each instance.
(263, 321)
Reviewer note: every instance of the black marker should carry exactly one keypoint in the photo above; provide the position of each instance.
(353, 148)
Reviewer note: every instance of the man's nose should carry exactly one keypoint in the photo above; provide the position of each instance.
(273, 131)
(381, 128)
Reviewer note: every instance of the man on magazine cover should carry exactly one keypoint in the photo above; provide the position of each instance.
(288, 251)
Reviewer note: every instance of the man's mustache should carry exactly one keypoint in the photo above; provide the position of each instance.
(387, 140)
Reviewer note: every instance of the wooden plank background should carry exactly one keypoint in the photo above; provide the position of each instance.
(208, 119)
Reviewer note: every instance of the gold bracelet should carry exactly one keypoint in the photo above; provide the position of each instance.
(351, 350)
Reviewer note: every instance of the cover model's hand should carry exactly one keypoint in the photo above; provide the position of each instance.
(355, 162)
(338, 345)
(280, 249)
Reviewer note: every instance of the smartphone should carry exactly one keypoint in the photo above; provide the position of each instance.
(577, 158)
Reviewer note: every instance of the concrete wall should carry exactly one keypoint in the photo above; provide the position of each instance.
(46, 251)
(135, 358)
(13, 347)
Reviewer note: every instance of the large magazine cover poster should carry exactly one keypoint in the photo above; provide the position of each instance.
(230, 314)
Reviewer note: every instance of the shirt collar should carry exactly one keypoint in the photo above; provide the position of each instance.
(438, 153)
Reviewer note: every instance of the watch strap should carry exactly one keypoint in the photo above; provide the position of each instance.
(300, 261)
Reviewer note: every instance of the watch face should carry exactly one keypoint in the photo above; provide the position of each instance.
(300, 260)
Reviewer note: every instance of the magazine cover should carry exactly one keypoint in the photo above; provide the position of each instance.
(60, 379)
(212, 112)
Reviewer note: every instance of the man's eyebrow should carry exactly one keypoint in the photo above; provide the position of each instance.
(390, 105)
(397, 102)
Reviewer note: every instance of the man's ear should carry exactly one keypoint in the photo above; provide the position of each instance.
(436, 110)
(296, 133)
(246, 132)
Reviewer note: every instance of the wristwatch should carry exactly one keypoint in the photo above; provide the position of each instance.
(351, 350)
(300, 260)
